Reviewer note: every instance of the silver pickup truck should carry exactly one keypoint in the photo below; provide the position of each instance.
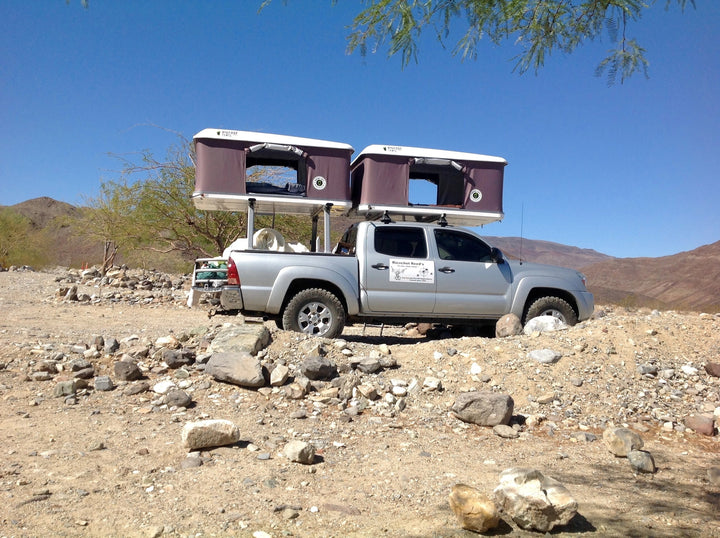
(397, 272)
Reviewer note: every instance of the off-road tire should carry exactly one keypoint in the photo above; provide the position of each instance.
(316, 312)
(552, 306)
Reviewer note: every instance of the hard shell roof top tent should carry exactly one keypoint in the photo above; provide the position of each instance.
(469, 185)
(223, 158)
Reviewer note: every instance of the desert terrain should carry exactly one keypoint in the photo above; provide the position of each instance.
(112, 462)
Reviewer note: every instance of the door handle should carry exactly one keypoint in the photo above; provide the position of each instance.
(380, 266)
(446, 270)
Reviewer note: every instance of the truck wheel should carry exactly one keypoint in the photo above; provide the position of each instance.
(316, 312)
(552, 306)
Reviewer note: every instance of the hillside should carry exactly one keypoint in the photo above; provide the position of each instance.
(52, 222)
(42, 211)
(688, 280)
(547, 252)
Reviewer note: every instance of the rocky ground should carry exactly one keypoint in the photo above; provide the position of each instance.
(87, 453)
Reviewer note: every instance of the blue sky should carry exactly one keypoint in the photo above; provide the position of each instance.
(630, 170)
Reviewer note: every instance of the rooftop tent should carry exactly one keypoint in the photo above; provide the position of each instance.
(468, 187)
(316, 171)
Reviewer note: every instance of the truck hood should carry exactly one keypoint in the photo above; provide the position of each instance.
(574, 279)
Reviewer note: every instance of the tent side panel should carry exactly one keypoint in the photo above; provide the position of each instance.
(220, 167)
(385, 181)
(332, 166)
(487, 179)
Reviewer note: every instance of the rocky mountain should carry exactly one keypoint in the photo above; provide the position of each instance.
(42, 211)
(547, 252)
(52, 228)
(688, 280)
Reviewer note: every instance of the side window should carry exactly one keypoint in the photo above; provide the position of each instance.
(347, 242)
(400, 242)
(454, 245)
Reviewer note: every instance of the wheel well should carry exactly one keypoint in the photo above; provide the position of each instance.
(537, 293)
(307, 283)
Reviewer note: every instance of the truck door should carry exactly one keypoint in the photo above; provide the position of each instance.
(468, 280)
(397, 274)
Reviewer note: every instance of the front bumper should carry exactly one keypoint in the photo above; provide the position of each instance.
(585, 303)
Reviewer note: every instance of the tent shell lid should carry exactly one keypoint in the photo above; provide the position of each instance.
(268, 138)
(425, 153)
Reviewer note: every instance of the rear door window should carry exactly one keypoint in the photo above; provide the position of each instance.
(400, 242)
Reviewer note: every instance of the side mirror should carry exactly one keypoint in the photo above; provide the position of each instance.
(496, 255)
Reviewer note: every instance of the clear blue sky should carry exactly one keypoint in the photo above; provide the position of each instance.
(630, 170)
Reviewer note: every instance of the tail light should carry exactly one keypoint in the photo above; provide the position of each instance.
(233, 278)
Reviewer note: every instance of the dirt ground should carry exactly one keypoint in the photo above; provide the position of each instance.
(110, 464)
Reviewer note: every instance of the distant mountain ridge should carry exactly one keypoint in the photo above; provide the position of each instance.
(41, 211)
(538, 251)
(687, 280)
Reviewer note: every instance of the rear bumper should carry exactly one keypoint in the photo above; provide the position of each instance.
(231, 298)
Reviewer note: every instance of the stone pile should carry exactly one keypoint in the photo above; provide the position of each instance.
(121, 284)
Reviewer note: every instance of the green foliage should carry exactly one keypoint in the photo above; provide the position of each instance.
(149, 214)
(538, 27)
(20, 243)
(149, 208)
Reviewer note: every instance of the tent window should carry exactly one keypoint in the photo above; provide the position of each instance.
(422, 188)
(275, 172)
(432, 184)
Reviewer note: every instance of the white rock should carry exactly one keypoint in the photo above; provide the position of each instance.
(544, 356)
(279, 375)
(543, 324)
(163, 387)
(209, 433)
(534, 501)
(300, 452)
(432, 383)
(167, 341)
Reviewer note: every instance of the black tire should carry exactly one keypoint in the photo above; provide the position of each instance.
(552, 306)
(316, 312)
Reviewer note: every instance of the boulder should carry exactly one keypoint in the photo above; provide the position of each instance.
(543, 324)
(475, 511)
(545, 356)
(621, 441)
(239, 368)
(508, 325)
(534, 501)
(713, 369)
(483, 408)
(318, 368)
(300, 452)
(103, 383)
(279, 375)
(127, 371)
(240, 338)
(704, 425)
(177, 398)
(209, 433)
(642, 461)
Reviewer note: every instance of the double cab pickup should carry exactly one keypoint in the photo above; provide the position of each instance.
(395, 272)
